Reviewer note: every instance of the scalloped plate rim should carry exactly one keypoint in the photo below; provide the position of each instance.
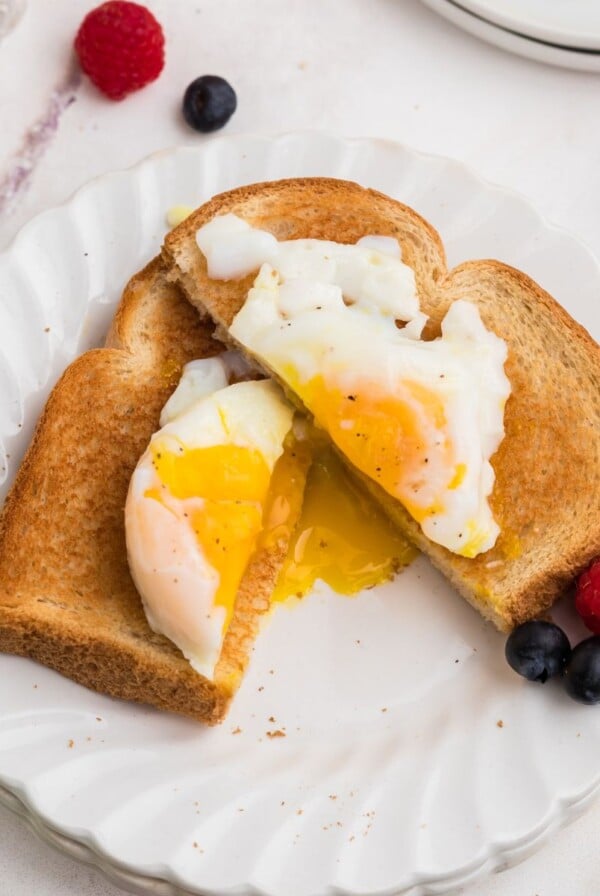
(494, 858)
(496, 854)
(301, 134)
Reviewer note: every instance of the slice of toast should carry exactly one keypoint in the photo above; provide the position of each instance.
(546, 497)
(66, 595)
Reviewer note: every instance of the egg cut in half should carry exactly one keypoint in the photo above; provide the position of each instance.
(198, 502)
(225, 476)
(341, 326)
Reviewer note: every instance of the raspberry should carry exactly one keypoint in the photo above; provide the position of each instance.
(587, 596)
(121, 47)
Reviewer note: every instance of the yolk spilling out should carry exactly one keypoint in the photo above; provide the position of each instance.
(341, 538)
(234, 483)
(334, 532)
(384, 436)
(286, 493)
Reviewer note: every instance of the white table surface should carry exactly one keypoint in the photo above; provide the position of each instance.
(384, 68)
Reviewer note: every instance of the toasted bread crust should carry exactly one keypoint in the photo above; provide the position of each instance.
(66, 596)
(547, 492)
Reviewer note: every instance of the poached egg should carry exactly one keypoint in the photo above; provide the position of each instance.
(341, 326)
(217, 482)
(196, 501)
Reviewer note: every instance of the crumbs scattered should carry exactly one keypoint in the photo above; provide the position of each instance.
(71, 744)
(195, 845)
(237, 730)
(277, 733)
(333, 796)
(282, 803)
(302, 66)
(46, 329)
(500, 723)
(98, 718)
(35, 686)
(261, 688)
(271, 671)
(272, 719)
(88, 739)
(456, 661)
(357, 641)
(384, 709)
(370, 816)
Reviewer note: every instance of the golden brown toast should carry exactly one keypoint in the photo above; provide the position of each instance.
(66, 596)
(547, 491)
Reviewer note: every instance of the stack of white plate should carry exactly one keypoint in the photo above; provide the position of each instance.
(559, 32)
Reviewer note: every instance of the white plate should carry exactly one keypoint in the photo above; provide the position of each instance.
(537, 49)
(570, 23)
(394, 776)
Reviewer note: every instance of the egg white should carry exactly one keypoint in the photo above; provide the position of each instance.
(321, 309)
(176, 581)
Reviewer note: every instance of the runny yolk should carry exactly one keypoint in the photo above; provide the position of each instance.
(332, 530)
(286, 494)
(342, 537)
(387, 437)
(217, 472)
(233, 483)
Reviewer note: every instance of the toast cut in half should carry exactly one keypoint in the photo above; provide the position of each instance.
(546, 497)
(66, 596)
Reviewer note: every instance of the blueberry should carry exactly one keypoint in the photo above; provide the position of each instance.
(582, 675)
(538, 650)
(208, 103)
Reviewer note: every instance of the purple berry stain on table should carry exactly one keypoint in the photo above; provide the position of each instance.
(36, 140)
